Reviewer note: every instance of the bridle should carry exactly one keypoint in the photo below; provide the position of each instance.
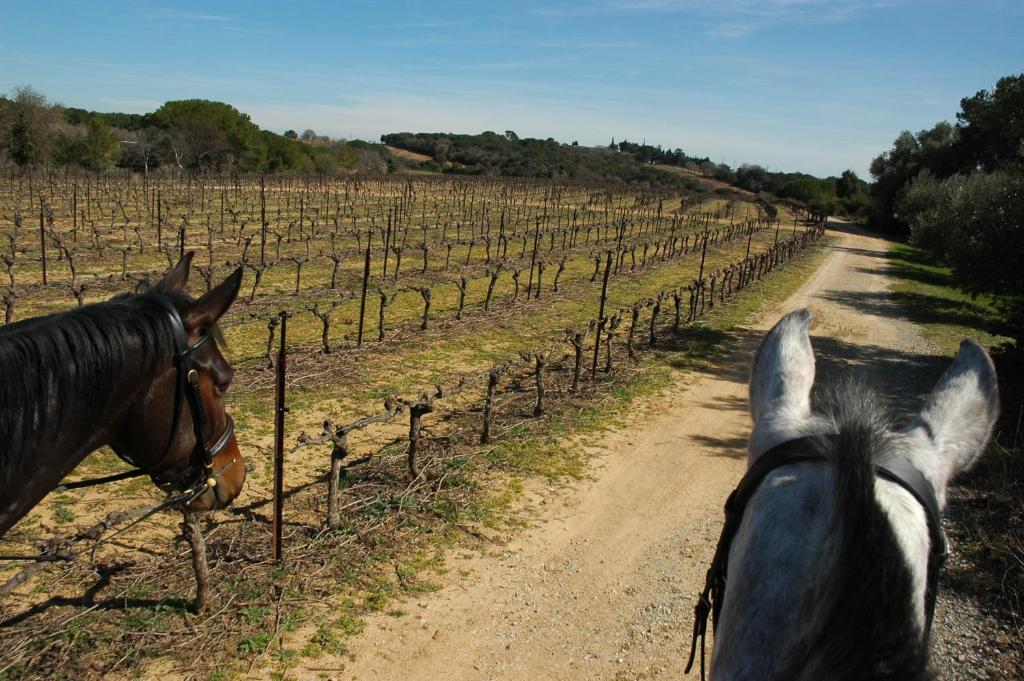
(187, 389)
(899, 471)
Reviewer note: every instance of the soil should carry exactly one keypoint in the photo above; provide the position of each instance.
(602, 583)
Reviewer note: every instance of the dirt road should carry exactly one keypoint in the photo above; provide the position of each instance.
(602, 583)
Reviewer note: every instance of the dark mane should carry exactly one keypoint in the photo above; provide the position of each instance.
(58, 370)
(859, 616)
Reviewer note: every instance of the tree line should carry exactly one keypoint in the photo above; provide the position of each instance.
(822, 196)
(507, 154)
(188, 135)
(957, 191)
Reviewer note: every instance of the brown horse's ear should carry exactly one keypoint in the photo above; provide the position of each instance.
(208, 309)
(178, 277)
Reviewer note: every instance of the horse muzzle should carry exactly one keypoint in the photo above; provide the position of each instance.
(229, 473)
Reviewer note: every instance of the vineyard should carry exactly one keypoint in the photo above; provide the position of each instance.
(427, 332)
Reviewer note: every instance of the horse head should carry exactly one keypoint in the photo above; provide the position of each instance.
(179, 431)
(833, 539)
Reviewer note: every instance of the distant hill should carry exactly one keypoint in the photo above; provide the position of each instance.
(509, 155)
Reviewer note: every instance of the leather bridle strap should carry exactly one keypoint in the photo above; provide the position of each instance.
(710, 600)
(187, 387)
(907, 476)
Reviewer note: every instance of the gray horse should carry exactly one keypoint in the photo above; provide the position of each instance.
(833, 558)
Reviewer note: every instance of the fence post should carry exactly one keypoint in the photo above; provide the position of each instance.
(159, 219)
(533, 259)
(263, 221)
(42, 239)
(279, 413)
(362, 297)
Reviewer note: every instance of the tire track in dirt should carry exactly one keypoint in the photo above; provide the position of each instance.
(602, 584)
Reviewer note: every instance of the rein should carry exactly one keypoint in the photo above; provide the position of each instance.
(899, 471)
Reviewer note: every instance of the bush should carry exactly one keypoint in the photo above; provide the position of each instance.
(975, 223)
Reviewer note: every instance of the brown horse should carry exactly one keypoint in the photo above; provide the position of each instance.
(137, 373)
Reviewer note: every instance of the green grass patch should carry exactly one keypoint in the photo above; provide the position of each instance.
(946, 314)
(986, 505)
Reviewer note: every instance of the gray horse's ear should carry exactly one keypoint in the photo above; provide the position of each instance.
(954, 426)
(783, 372)
(178, 277)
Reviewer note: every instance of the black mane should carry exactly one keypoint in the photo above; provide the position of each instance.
(58, 371)
(858, 612)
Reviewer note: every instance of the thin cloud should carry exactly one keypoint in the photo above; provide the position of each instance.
(740, 18)
(188, 16)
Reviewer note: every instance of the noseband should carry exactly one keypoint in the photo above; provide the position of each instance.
(802, 450)
(187, 385)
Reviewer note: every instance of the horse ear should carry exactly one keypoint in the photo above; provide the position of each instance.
(208, 309)
(178, 277)
(954, 426)
(783, 370)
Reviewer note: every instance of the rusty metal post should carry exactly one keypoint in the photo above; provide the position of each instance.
(42, 238)
(279, 412)
(362, 297)
(159, 219)
(263, 224)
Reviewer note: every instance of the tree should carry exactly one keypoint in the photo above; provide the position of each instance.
(991, 125)
(291, 134)
(975, 223)
(848, 184)
(142, 149)
(27, 124)
(203, 133)
(100, 146)
(308, 135)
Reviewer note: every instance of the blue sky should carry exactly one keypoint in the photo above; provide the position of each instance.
(812, 85)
